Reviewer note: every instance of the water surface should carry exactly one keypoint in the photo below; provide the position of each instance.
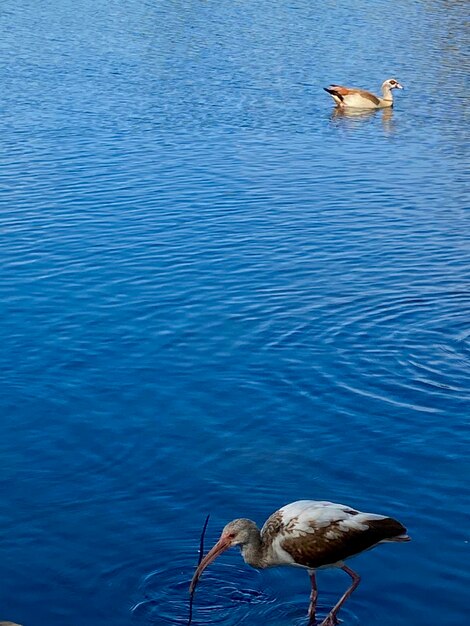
(220, 296)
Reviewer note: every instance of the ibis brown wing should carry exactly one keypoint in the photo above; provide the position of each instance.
(334, 543)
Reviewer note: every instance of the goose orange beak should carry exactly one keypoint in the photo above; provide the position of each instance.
(223, 544)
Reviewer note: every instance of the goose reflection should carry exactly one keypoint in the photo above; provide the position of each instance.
(352, 117)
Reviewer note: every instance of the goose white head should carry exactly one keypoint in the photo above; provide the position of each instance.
(391, 83)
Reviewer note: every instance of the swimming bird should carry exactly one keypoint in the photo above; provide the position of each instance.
(360, 99)
(310, 534)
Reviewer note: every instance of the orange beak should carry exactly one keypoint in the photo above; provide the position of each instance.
(223, 544)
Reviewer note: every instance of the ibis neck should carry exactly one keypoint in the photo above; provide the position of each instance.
(253, 550)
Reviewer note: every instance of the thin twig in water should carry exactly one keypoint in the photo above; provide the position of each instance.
(201, 554)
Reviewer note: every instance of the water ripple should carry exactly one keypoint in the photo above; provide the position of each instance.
(227, 593)
(413, 349)
(403, 350)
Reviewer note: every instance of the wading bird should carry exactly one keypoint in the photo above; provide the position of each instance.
(360, 99)
(311, 535)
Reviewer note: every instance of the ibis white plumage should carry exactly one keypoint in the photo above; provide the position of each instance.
(309, 534)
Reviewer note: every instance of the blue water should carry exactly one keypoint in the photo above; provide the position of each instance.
(220, 296)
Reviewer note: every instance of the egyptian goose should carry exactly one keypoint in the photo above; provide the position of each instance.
(360, 99)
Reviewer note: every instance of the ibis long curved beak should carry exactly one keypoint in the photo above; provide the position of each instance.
(223, 544)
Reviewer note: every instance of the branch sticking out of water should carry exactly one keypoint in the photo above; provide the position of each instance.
(201, 554)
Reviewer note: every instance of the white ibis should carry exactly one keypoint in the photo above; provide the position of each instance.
(308, 534)
(360, 99)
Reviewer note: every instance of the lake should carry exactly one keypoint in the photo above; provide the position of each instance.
(220, 296)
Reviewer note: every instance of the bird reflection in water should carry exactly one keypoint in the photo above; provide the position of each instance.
(351, 117)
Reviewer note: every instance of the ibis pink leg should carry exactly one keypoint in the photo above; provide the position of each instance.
(332, 619)
(313, 599)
